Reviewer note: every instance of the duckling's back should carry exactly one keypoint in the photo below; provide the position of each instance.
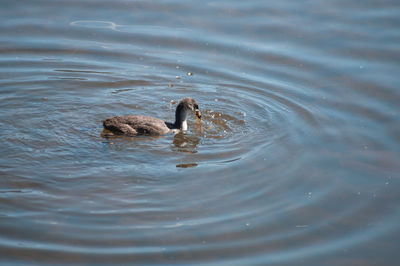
(132, 125)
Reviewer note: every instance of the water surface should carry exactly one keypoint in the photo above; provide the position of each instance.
(296, 160)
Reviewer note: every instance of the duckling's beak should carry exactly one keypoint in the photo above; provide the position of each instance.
(198, 113)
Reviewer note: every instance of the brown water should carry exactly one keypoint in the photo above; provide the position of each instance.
(295, 162)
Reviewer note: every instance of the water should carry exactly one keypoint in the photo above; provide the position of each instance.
(296, 160)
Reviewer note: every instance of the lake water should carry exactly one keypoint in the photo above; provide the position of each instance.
(295, 162)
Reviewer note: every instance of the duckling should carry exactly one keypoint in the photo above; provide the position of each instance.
(132, 125)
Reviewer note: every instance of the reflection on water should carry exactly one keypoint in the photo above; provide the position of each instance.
(186, 165)
(295, 160)
(185, 143)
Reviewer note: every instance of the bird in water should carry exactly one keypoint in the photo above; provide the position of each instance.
(132, 125)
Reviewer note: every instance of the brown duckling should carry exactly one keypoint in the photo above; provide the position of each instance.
(131, 125)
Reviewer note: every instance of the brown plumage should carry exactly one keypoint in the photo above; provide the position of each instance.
(131, 125)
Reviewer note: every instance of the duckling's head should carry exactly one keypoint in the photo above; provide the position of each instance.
(190, 104)
(185, 105)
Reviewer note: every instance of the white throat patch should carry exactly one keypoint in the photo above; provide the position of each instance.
(184, 125)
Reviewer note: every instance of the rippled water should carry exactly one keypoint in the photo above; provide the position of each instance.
(296, 160)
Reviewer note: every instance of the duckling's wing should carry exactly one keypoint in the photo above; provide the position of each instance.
(118, 126)
(136, 125)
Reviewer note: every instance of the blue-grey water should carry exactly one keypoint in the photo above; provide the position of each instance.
(295, 162)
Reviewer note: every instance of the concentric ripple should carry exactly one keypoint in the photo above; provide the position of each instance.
(294, 162)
